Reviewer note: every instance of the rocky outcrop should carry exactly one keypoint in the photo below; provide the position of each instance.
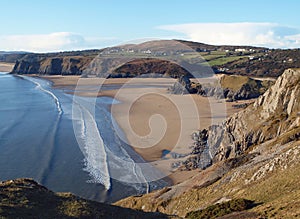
(231, 88)
(183, 86)
(272, 115)
(242, 87)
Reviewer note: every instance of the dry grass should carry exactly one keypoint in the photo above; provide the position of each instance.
(24, 198)
(278, 192)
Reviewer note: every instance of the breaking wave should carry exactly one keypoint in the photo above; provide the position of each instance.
(40, 87)
(92, 145)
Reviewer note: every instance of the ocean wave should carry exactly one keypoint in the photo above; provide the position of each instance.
(91, 144)
(124, 165)
(105, 158)
(40, 87)
(106, 155)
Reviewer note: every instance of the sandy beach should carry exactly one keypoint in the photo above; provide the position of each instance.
(155, 122)
(6, 67)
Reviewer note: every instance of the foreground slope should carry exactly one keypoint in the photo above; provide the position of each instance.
(253, 155)
(24, 198)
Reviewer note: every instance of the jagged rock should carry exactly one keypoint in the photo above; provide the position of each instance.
(272, 114)
(182, 86)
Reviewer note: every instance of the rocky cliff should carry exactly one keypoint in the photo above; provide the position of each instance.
(273, 114)
(253, 155)
(51, 65)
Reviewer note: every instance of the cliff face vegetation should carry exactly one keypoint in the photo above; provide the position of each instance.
(253, 155)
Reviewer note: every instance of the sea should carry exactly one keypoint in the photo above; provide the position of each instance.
(50, 136)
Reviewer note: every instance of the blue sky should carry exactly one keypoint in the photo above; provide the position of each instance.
(40, 26)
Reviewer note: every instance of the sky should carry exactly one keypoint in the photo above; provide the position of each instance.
(59, 25)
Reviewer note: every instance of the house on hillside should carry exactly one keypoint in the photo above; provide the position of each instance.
(240, 50)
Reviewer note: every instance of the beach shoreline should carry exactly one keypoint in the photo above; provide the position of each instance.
(6, 67)
(145, 108)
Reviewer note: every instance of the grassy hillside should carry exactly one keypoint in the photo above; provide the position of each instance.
(24, 198)
(235, 82)
(275, 193)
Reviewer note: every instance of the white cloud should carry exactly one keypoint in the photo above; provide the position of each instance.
(59, 41)
(259, 34)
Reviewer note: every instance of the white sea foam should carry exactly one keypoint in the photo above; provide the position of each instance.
(40, 87)
(60, 111)
(106, 157)
(91, 144)
(122, 166)
(4, 76)
(119, 165)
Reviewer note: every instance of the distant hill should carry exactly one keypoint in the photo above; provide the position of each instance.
(247, 60)
(241, 60)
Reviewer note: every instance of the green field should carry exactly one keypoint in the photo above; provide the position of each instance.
(224, 60)
(213, 58)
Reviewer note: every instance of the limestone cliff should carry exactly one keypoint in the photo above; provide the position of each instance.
(273, 114)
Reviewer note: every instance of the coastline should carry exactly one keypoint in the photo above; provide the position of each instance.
(141, 98)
